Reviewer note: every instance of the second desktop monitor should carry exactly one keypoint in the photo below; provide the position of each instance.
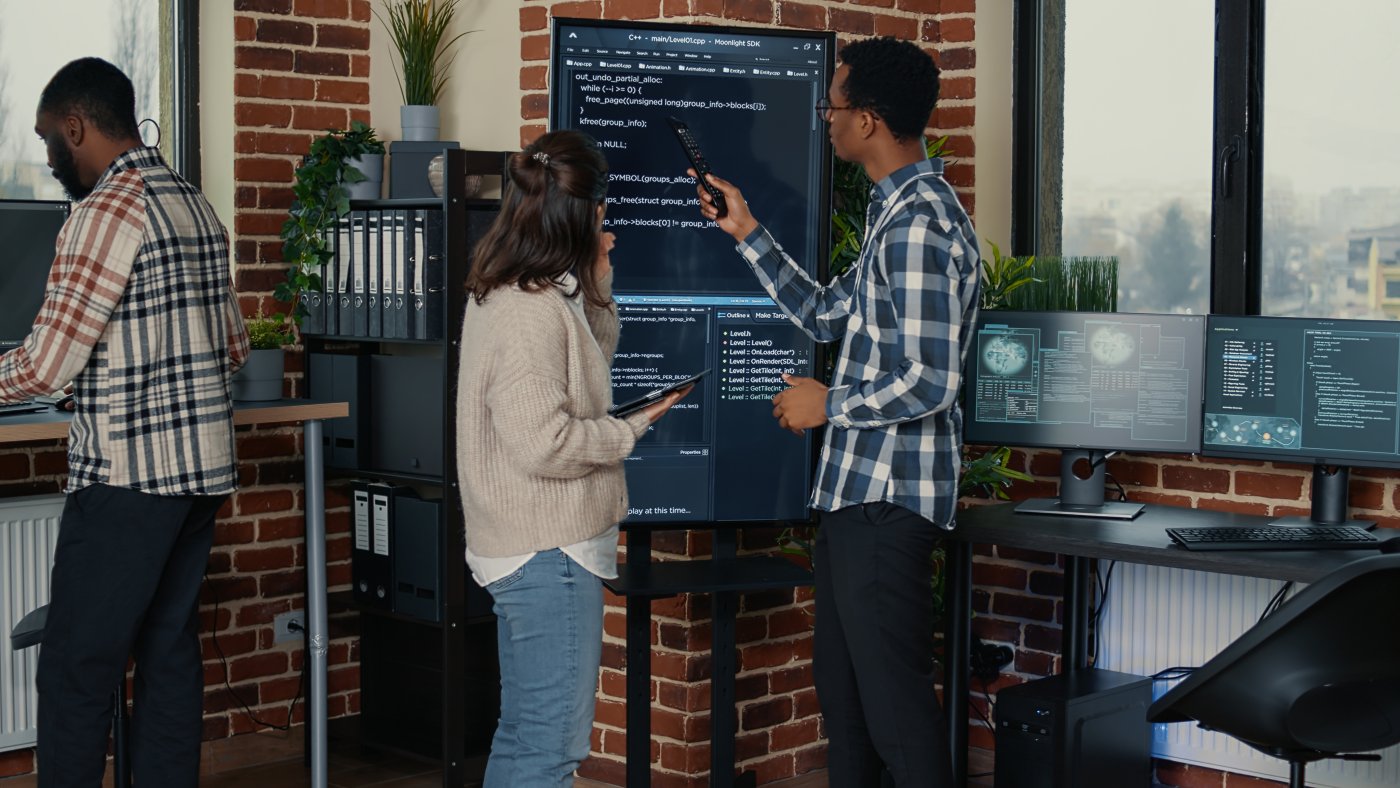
(1087, 384)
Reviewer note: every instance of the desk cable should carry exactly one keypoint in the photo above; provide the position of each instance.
(1101, 583)
(1277, 601)
(301, 677)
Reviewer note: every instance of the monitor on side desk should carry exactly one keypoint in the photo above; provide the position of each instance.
(1089, 384)
(28, 232)
(1305, 390)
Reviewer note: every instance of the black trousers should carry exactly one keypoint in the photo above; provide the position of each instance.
(125, 582)
(874, 656)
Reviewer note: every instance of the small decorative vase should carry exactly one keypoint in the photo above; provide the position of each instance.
(370, 165)
(420, 122)
(260, 379)
(470, 187)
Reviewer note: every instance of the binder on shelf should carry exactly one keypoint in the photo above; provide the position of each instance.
(429, 301)
(341, 377)
(369, 569)
(381, 545)
(417, 535)
(345, 258)
(387, 256)
(359, 240)
(312, 299)
(413, 272)
(373, 273)
(403, 237)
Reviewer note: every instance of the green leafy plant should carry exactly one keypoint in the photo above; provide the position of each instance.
(268, 332)
(1003, 275)
(418, 28)
(319, 200)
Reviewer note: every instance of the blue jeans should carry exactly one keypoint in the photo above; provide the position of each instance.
(549, 619)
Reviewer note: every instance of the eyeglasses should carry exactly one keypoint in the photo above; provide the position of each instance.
(824, 109)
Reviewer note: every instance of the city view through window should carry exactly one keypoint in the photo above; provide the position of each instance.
(1331, 229)
(1137, 159)
(36, 39)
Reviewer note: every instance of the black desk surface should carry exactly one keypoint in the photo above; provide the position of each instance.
(1143, 540)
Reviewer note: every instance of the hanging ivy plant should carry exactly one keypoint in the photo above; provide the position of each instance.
(320, 198)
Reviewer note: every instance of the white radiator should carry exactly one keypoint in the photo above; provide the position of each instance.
(28, 534)
(1157, 618)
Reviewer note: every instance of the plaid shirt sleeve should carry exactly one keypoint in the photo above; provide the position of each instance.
(920, 266)
(819, 311)
(95, 254)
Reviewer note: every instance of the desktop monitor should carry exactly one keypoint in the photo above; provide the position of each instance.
(1089, 384)
(28, 233)
(687, 300)
(1304, 390)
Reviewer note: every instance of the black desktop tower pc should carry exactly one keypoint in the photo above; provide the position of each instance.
(1086, 729)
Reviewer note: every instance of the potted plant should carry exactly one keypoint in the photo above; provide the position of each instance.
(418, 29)
(260, 379)
(322, 194)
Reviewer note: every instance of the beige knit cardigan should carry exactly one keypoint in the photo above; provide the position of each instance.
(539, 461)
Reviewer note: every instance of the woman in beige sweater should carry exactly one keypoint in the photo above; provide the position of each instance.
(539, 458)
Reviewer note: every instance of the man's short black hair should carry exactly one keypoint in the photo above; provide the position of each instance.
(894, 79)
(97, 91)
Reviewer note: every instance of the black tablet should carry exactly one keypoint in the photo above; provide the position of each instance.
(650, 397)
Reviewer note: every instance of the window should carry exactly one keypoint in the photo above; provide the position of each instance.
(1235, 155)
(1331, 170)
(1126, 163)
(151, 40)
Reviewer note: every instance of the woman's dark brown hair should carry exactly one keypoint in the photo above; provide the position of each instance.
(548, 225)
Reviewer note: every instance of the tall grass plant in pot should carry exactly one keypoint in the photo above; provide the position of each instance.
(419, 30)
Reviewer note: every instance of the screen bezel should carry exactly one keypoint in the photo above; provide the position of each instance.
(7, 205)
(822, 273)
(1301, 458)
(970, 376)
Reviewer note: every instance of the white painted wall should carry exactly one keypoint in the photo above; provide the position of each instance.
(995, 37)
(481, 108)
(216, 105)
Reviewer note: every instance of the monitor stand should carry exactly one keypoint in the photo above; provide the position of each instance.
(1329, 500)
(1081, 490)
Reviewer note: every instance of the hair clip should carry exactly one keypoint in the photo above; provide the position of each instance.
(541, 157)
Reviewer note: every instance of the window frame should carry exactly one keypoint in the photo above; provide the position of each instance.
(1237, 181)
(185, 90)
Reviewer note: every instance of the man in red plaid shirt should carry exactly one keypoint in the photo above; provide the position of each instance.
(141, 319)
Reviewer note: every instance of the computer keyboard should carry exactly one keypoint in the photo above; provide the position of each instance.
(1274, 537)
(28, 406)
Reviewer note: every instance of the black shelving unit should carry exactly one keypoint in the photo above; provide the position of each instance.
(409, 666)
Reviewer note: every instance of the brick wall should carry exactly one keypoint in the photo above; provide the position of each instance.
(779, 724)
(301, 66)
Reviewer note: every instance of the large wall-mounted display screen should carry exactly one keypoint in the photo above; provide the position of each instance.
(687, 300)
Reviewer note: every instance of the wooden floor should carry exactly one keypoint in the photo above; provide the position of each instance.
(355, 767)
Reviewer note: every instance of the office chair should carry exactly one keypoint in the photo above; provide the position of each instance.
(1317, 679)
(30, 632)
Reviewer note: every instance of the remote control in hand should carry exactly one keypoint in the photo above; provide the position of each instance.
(697, 160)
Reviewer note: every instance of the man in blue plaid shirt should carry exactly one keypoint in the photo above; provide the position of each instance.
(888, 476)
